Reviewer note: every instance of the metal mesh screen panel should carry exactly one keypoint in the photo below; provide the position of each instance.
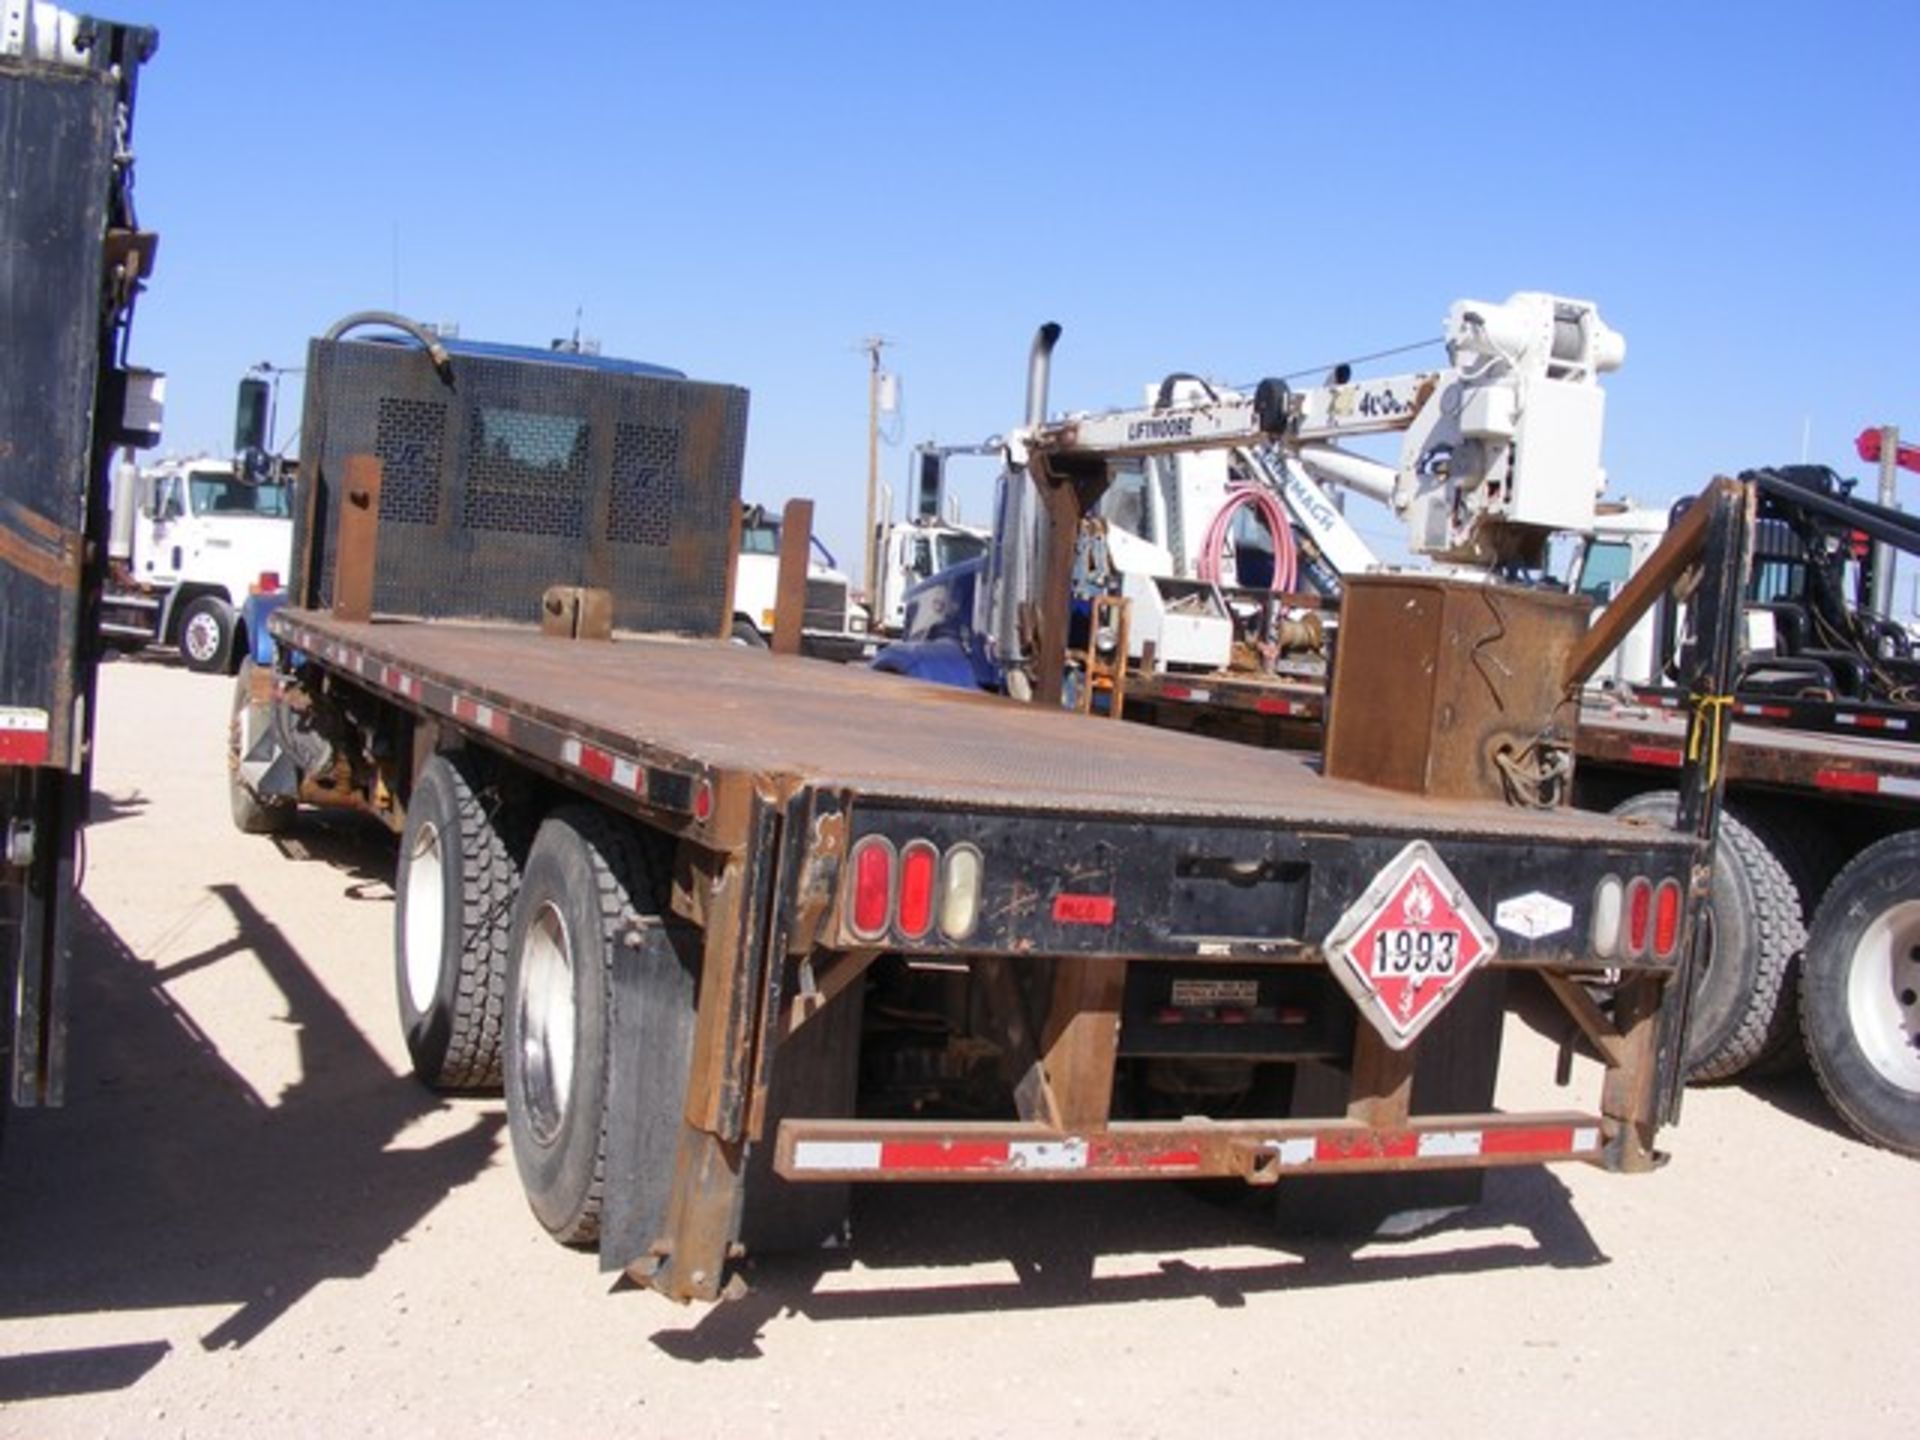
(646, 482)
(520, 475)
(408, 442)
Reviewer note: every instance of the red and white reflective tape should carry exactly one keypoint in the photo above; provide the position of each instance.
(400, 682)
(1870, 722)
(480, 715)
(1546, 1142)
(24, 737)
(1765, 712)
(981, 1157)
(1862, 782)
(1185, 692)
(1102, 1156)
(605, 766)
(1271, 706)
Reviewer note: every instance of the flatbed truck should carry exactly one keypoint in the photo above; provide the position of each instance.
(734, 930)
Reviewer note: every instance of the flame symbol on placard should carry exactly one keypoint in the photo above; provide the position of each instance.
(1418, 907)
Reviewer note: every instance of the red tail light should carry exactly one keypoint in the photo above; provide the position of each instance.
(872, 887)
(1639, 917)
(919, 867)
(1666, 918)
(268, 583)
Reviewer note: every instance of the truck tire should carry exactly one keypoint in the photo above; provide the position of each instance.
(206, 635)
(253, 814)
(589, 883)
(1860, 993)
(746, 633)
(1812, 859)
(1755, 930)
(453, 891)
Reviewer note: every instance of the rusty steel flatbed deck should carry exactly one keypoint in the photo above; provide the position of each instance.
(725, 708)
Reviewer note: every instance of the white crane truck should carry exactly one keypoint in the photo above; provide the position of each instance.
(734, 930)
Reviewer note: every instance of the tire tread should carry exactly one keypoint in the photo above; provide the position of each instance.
(628, 887)
(490, 875)
(1781, 935)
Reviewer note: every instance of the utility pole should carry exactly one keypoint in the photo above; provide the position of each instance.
(1883, 553)
(873, 345)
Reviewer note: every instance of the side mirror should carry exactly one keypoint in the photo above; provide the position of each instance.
(250, 416)
(930, 486)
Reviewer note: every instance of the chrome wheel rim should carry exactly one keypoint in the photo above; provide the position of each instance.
(423, 929)
(547, 1020)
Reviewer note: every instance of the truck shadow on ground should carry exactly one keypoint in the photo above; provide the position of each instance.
(168, 1181)
(357, 846)
(1085, 1245)
(1797, 1093)
(103, 808)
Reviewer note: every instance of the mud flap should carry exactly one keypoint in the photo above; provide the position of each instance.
(1459, 1058)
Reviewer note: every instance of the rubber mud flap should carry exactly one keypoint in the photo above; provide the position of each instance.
(1454, 1074)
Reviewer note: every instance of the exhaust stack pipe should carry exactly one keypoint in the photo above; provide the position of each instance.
(1039, 369)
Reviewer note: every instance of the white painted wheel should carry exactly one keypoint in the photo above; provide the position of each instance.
(1883, 994)
(206, 634)
(200, 638)
(547, 1020)
(424, 937)
(1860, 993)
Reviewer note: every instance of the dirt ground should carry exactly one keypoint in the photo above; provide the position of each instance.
(247, 1221)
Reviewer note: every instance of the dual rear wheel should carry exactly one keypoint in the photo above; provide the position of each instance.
(506, 950)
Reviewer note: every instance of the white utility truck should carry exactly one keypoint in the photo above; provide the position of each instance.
(190, 539)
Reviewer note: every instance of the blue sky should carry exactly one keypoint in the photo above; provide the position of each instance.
(746, 190)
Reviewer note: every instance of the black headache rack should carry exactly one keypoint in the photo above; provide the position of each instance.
(507, 472)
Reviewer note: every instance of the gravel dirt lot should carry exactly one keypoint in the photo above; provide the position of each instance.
(247, 1221)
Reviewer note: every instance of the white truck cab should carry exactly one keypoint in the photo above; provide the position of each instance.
(913, 550)
(190, 539)
(834, 624)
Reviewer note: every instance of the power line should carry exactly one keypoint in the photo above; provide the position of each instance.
(1406, 349)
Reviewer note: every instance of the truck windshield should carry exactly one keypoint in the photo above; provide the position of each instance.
(215, 492)
(1609, 564)
(951, 550)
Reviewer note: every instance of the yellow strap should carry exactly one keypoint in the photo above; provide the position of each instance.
(1708, 711)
